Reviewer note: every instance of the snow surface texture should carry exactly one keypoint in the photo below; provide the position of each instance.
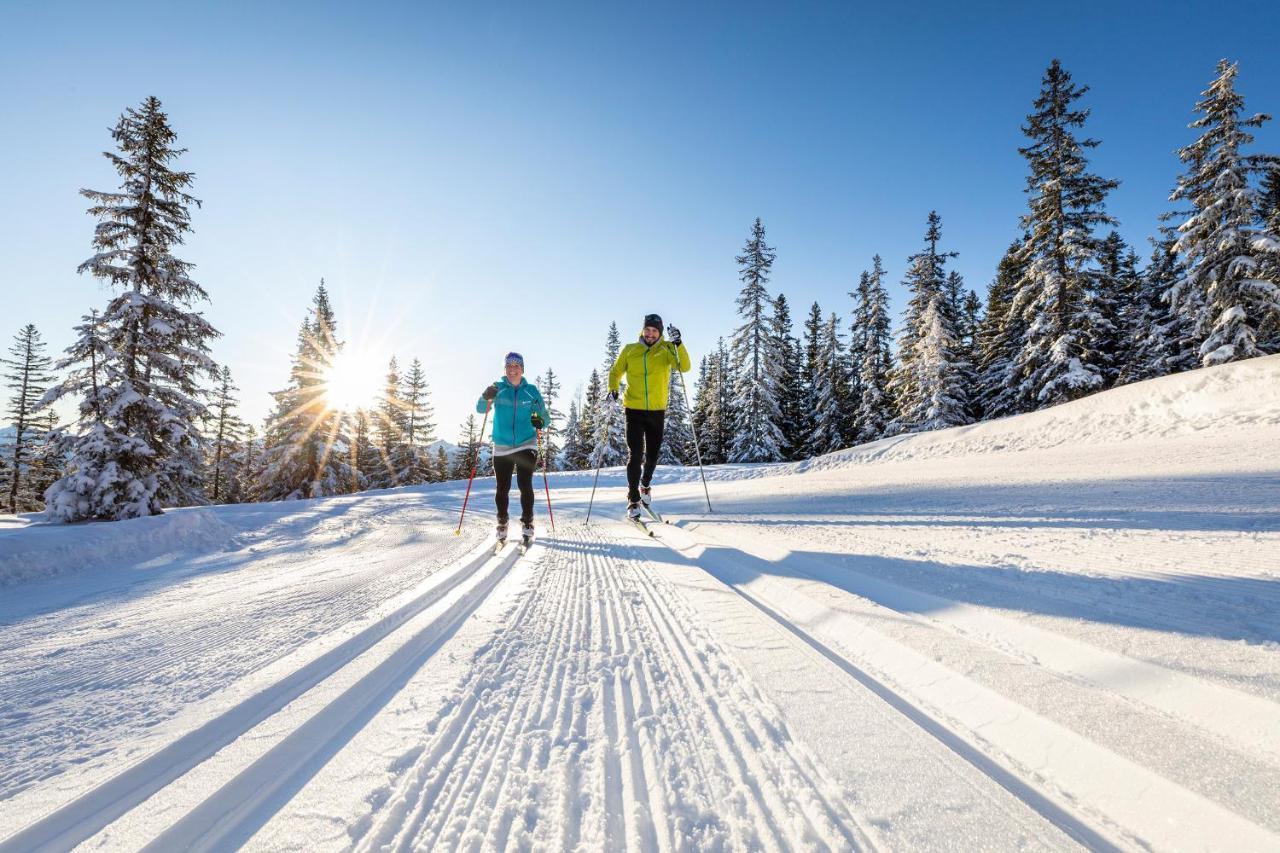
(1045, 632)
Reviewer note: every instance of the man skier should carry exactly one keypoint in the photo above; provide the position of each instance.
(647, 364)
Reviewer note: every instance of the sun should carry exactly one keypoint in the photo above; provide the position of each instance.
(351, 382)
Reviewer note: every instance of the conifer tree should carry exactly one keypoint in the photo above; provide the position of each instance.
(1155, 331)
(419, 430)
(791, 420)
(855, 353)
(572, 456)
(831, 399)
(999, 340)
(610, 444)
(918, 389)
(1060, 257)
(875, 405)
(250, 466)
(28, 373)
(46, 463)
(305, 448)
(549, 387)
(142, 448)
(391, 426)
(755, 414)
(227, 431)
(1112, 305)
(1229, 295)
(811, 366)
(469, 446)
(440, 473)
(677, 439)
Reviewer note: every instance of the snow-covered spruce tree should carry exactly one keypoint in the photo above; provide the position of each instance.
(419, 430)
(250, 465)
(1230, 294)
(571, 454)
(1111, 333)
(1060, 257)
(756, 436)
(832, 391)
(917, 387)
(549, 386)
(440, 470)
(1156, 332)
(790, 386)
(854, 354)
(610, 446)
(142, 449)
(811, 353)
(28, 374)
(391, 425)
(963, 313)
(940, 400)
(468, 455)
(364, 456)
(589, 421)
(227, 431)
(999, 340)
(305, 449)
(677, 439)
(702, 402)
(875, 407)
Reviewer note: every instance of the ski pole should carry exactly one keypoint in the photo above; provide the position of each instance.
(475, 462)
(546, 485)
(694, 429)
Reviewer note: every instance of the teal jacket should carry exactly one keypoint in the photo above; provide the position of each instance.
(511, 410)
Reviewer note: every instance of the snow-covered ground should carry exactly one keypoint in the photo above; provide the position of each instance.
(1047, 632)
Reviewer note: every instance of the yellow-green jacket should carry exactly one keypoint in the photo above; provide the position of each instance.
(648, 370)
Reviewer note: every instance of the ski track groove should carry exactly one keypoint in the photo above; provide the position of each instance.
(601, 716)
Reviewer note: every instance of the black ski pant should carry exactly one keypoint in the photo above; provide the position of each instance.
(523, 463)
(644, 440)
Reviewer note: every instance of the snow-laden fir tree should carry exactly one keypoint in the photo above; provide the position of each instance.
(571, 455)
(854, 355)
(1060, 257)
(610, 445)
(712, 412)
(1156, 333)
(306, 451)
(549, 386)
(791, 412)
(226, 433)
(963, 313)
(250, 466)
(756, 416)
(999, 340)
(1230, 293)
(832, 392)
(1113, 303)
(28, 374)
(419, 430)
(677, 437)
(391, 426)
(142, 447)
(931, 311)
(875, 406)
(470, 446)
(440, 471)
(811, 355)
(588, 422)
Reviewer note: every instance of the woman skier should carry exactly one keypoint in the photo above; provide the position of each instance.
(518, 414)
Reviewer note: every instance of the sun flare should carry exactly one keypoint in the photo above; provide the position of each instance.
(351, 382)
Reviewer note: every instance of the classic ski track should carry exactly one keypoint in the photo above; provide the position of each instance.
(565, 700)
(96, 808)
(1246, 724)
(969, 745)
(333, 597)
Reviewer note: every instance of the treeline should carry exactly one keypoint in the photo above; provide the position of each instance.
(1071, 310)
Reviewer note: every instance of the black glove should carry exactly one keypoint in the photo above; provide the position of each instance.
(490, 393)
(536, 420)
(673, 335)
(613, 395)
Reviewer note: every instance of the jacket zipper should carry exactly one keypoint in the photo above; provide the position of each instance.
(646, 378)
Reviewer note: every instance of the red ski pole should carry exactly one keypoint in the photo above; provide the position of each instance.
(474, 464)
(546, 485)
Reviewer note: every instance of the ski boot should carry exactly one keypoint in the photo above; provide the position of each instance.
(633, 510)
(502, 536)
(526, 537)
(645, 496)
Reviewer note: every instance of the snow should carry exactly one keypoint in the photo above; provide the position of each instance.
(1049, 631)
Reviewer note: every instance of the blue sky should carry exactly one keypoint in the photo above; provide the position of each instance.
(475, 178)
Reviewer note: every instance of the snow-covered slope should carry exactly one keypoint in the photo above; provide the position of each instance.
(1050, 631)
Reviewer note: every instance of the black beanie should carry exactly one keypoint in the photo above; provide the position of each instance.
(653, 320)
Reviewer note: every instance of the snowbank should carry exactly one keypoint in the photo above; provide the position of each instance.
(43, 550)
